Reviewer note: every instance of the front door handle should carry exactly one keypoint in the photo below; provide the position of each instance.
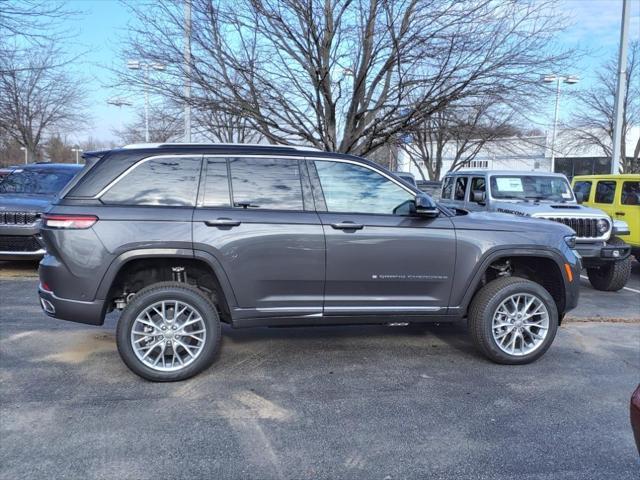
(620, 213)
(222, 222)
(347, 226)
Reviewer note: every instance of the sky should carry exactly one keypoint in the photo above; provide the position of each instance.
(101, 27)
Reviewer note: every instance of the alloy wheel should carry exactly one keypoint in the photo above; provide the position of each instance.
(520, 324)
(168, 335)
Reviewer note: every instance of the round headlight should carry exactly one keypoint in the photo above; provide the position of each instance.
(603, 226)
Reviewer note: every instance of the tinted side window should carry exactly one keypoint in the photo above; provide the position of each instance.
(461, 187)
(170, 181)
(447, 187)
(354, 188)
(605, 191)
(216, 185)
(584, 188)
(271, 183)
(631, 193)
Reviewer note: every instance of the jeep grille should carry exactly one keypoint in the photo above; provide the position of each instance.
(584, 227)
(18, 218)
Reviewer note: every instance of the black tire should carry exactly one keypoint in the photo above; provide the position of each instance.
(169, 291)
(611, 276)
(482, 310)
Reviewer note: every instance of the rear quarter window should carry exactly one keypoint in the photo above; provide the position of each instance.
(166, 181)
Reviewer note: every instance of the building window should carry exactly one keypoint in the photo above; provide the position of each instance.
(479, 164)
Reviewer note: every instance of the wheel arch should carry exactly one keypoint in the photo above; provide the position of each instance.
(203, 270)
(524, 262)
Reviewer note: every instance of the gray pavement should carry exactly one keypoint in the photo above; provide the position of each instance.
(351, 402)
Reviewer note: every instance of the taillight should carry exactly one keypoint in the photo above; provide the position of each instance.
(69, 221)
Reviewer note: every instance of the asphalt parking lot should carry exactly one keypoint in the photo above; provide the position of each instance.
(354, 402)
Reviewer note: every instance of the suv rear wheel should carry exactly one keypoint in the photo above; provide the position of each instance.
(169, 331)
(513, 320)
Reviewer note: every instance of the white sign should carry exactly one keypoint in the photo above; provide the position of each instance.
(509, 184)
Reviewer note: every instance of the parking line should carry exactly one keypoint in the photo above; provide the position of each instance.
(624, 288)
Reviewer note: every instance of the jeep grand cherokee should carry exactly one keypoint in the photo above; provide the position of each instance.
(180, 238)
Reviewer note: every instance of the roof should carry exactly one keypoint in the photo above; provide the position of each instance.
(617, 176)
(502, 172)
(137, 146)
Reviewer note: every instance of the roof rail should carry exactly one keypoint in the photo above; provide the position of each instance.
(264, 145)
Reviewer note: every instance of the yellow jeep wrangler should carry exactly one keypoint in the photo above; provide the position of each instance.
(619, 196)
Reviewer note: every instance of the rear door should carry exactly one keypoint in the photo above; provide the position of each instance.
(256, 216)
(380, 259)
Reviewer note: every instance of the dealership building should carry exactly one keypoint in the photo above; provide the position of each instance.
(531, 154)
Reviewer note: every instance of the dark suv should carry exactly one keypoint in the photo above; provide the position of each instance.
(24, 194)
(184, 237)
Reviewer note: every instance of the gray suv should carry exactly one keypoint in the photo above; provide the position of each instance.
(547, 196)
(180, 238)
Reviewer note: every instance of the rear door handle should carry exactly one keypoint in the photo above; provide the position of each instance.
(222, 222)
(347, 226)
(620, 213)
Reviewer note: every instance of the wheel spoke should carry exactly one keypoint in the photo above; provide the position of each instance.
(160, 349)
(152, 348)
(520, 324)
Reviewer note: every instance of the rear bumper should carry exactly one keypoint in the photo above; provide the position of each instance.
(91, 313)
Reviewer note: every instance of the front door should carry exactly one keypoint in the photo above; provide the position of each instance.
(256, 220)
(380, 259)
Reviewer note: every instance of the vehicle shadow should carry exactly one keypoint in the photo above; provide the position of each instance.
(433, 336)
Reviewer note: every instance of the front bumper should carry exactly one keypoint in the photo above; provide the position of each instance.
(19, 242)
(602, 252)
(91, 313)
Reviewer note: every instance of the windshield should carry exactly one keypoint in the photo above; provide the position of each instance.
(35, 182)
(531, 187)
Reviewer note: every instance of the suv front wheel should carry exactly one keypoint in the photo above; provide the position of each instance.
(613, 275)
(513, 320)
(169, 331)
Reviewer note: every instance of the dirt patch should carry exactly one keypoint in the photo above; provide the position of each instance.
(80, 347)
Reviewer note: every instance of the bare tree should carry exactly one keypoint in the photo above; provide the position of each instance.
(345, 75)
(37, 96)
(28, 24)
(459, 132)
(165, 124)
(593, 124)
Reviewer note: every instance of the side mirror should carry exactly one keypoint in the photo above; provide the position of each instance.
(425, 206)
(579, 197)
(478, 196)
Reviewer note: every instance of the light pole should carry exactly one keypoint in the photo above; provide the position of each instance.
(621, 89)
(145, 66)
(569, 80)
(77, 150)
(24, 149)
(187, 66)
